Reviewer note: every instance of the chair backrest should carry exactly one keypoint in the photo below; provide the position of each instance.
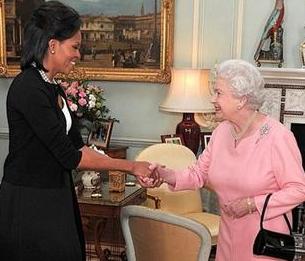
(176, 157)
(152, 235)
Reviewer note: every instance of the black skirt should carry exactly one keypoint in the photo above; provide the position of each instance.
(38, 224)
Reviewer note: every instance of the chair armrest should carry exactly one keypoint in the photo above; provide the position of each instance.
(157, 200)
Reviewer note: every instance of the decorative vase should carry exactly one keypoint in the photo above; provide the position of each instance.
(90, 179)
(117, 181)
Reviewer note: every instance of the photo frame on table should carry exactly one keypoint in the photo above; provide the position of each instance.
(100, 136)
(204, 139)
(172, 138)
(127, 40)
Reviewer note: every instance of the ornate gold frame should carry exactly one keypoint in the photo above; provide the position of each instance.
(161, 74)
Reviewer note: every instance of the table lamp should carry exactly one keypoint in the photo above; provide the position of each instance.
(189, 93)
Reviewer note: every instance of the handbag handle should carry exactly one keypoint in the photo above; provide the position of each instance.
(264, 210)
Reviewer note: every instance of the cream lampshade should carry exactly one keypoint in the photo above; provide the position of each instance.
(189, 93)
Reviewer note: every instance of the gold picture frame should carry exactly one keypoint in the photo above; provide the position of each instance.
(101, 134)
(150, 69)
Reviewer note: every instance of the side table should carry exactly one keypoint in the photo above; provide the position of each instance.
(101, 220)
(100, 216)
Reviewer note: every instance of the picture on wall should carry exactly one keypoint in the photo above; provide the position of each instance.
(172, 138)
(121, 39)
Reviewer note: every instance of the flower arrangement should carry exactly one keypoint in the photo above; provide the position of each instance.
(86, 100)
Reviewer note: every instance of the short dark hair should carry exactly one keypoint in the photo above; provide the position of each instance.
(51, 20)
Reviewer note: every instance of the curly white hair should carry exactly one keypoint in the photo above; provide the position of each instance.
(244, 80)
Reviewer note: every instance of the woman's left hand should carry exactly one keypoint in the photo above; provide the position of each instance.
(154, 180)
(239, 207)
(147, 182)
(147, 174)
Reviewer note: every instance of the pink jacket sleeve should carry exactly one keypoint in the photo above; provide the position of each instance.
(196, 175)
(288, 173)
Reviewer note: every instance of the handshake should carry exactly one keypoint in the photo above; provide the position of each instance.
(154, 179)
(155, 175)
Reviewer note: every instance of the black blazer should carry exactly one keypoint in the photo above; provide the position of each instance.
(40, 151)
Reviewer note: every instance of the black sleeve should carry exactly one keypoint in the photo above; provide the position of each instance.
(36, 101)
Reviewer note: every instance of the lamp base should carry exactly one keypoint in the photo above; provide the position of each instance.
(190, 130)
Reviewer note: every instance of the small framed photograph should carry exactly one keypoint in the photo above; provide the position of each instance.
(172, 138)
(204, 139)
(100, 135)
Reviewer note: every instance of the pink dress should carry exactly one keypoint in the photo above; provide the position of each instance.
(266, 162)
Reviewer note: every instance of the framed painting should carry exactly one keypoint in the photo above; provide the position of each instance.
(122, 40)
(204, 139)
(100, 137)
(172, 138)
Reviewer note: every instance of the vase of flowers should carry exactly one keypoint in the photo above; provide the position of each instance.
(87, 102)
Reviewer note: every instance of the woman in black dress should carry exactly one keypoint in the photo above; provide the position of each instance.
(39, 215)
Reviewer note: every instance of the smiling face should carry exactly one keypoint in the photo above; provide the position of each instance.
(223, 100)
(63, 55)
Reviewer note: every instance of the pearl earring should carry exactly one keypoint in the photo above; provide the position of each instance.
(238, 107)
(52, 51)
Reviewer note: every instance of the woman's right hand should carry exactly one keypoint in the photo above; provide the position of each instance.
(152, 179)
(141, 168)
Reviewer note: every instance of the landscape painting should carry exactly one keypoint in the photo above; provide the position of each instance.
(121, 39)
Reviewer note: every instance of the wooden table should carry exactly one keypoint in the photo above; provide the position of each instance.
(100, 218)
(116, 151)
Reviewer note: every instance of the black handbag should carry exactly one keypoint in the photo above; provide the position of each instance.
(274, 244)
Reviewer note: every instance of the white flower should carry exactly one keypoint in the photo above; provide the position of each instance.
(86, 100)
(92, 97)
(91, 104)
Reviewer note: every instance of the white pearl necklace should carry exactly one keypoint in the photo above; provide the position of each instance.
(44, 75)
(238, 136)
(46, 78)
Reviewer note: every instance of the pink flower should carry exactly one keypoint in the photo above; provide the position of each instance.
(73, 107)
(72, 91)
(82, 102)
(82, 94)
(85, 100)
(74, 84)
(71, 104)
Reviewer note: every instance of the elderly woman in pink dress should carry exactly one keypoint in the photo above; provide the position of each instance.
(249, 156)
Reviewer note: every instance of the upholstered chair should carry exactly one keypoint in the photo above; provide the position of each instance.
(187, 203)
(152, 235)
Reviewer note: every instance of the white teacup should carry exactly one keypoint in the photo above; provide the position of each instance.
(90, 179)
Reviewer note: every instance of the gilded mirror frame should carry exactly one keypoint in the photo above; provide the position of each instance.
(160, 74)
